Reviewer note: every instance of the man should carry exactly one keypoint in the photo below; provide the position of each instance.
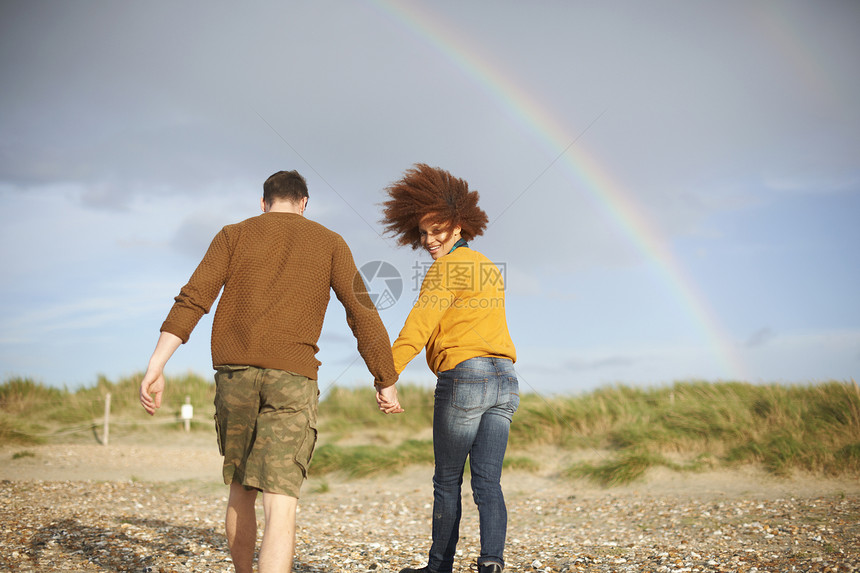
(276, 270)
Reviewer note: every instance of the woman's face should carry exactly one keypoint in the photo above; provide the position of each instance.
(436, 237)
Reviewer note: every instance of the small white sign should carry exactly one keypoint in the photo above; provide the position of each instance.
(187, 411)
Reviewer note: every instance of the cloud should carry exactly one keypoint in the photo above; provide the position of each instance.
(117, 303)
(105, 196)
(828, 182)
(760, 337)
(729, 129)
(195, 233)
(600, 363)
(805, 355)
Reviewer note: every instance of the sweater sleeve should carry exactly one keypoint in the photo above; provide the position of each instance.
(433, 301)
(361, 316)
(196, 297)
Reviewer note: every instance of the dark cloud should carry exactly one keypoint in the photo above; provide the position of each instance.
(602, 139)
(760, 337)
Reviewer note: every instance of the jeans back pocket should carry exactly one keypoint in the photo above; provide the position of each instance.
(469, 394)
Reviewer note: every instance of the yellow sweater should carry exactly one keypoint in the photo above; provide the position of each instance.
(459, 314)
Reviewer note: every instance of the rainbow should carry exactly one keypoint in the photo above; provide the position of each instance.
(619, 206)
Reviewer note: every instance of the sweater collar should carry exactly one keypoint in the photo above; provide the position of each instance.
(460, 243)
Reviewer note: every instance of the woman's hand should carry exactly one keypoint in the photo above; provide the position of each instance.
(386, 399)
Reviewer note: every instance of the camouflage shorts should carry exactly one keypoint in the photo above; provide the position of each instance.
(266, 422)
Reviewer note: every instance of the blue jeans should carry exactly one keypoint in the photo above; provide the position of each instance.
(474, 404)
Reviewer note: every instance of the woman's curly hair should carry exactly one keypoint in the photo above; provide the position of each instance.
(425, 190)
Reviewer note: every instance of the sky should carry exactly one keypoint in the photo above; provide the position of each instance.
(673, 187)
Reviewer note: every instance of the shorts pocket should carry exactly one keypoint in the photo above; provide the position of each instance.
(218, 435)
(305, 452)
(228, 370)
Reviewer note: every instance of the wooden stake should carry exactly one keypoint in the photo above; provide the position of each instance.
(107, 420)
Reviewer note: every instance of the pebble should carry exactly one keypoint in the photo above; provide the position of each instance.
(79, 526)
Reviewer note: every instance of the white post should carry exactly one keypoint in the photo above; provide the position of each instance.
(107, 420)
(187, 413)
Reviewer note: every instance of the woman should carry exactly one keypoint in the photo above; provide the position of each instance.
(459, 318)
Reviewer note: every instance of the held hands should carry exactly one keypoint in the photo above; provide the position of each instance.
(386, 398)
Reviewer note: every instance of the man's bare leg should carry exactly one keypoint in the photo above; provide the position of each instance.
(241, 525)
(279, 536)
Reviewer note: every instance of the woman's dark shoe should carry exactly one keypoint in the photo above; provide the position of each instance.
(424, 569)
(489, 568)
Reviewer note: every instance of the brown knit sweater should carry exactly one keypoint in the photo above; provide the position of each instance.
(277, 271)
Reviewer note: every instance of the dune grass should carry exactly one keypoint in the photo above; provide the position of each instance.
(31, 413)
(813, 428)
(686, 426)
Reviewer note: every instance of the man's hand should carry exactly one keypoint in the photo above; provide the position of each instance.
(386, 398)
(152, 385)
(151, 389)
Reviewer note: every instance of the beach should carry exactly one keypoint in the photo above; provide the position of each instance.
(156, 507)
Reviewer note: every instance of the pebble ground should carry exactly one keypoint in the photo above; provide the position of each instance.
(71, 526)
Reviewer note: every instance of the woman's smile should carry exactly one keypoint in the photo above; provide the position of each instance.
(438, 239)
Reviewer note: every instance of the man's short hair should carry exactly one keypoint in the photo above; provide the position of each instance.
(285, 186)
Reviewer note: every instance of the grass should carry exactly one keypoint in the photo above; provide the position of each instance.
(813, 428)
(344, 411)
(366, 461)
(31, 413)
(686, 426)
